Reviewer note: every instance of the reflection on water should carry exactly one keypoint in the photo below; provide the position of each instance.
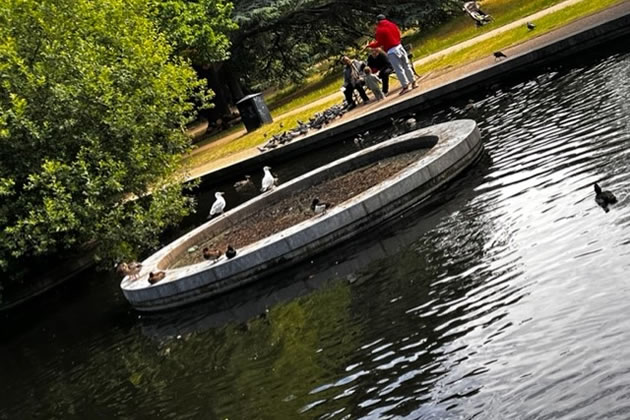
(506, 297)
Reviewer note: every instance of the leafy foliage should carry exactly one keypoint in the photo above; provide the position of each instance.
(92, 111)
(281, 40)
(197, 29)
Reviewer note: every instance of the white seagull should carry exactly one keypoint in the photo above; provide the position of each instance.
(268, 180)
(218, 205)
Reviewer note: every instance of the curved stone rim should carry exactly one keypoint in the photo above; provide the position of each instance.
(456, 144)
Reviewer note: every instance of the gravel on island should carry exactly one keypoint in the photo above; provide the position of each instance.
(297, 208)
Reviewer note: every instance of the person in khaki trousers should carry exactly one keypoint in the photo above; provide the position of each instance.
(387, 36)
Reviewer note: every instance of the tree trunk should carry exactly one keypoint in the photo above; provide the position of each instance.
(234, 83)
(222, 100)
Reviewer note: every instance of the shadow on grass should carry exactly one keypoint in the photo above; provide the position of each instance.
(303, 90)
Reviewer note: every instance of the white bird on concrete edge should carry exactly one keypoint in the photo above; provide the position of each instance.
(318, 207)
(218, 206)
(268, 180)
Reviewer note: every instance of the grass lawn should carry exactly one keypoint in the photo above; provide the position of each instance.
(257, 137)
(463, 28)
(315, 87)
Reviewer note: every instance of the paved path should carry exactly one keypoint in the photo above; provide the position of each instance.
(432, 80)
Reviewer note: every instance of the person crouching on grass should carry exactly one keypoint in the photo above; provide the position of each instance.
(372, 82)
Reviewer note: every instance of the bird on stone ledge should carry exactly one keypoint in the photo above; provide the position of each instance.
(268, 181)
(319, 207)
(218, 206)
(131, 269)
(211, 254)
(155, 277)
(230, 253)
(498, 55)
(604, 198)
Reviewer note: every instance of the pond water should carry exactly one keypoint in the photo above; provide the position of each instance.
(504, 297)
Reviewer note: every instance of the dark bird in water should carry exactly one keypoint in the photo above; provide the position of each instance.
(318, 207)
(498, 55)
(131, 269)
(531, 26)
(211, 254)
(359, 141)
(244, 184)
(231, 252)
(604, 198)
(470, 106)
(155, 277)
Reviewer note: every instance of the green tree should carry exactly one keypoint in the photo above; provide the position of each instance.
(280, 40)
(197, 29)
(92, 111)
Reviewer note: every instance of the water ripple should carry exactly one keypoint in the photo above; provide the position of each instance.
(505, 300)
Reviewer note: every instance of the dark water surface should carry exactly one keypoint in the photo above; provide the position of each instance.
(507, 297)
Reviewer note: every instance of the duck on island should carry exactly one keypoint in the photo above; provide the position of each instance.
(131, 269)
(155, 277)
(211, 254)
(604, 198)
(319, 207)
(218, 206)
(230, 253)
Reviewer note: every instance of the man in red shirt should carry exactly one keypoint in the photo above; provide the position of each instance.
(387, 36)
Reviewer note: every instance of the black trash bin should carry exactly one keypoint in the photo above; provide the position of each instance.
(254, 111)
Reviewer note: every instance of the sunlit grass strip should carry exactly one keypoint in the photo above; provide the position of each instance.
(517, 35)
(463, 28)
(257, 137)
(321, 87)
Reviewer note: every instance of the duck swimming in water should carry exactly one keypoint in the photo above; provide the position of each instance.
(155, 277)
(244, 184)
(604, 198)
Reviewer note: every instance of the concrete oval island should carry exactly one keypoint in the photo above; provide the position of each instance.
(450, 148)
